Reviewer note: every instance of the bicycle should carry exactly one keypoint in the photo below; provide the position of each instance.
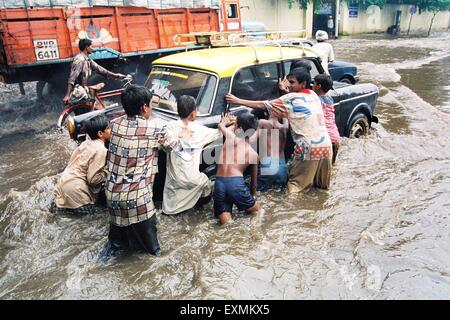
(92, 104)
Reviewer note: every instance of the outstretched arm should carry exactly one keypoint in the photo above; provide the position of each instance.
(331, 55)
(167, 141)
(275, 107)
(99, 69)
(248, 103)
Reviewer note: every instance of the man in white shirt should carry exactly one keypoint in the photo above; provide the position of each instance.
(324, 49)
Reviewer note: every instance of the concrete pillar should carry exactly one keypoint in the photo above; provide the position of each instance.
(336, 19)
(309, 19)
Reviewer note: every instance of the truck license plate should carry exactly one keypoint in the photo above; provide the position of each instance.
(46, 49)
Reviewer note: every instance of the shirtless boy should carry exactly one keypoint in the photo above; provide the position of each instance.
(236, 155)
(272, 133)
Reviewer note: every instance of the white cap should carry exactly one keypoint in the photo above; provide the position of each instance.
(321, 35)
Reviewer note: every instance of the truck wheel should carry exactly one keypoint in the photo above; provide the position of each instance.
(48, 91)
(359, 126)
(40, 87)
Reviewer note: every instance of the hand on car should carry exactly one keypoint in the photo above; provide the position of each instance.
(232, 99)
(227, 119)
(283, 84)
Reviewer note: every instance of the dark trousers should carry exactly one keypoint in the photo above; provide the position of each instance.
(142, 235)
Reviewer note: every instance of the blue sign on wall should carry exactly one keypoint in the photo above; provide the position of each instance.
(353, 11)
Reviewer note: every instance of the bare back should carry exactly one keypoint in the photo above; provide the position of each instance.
(236, 155)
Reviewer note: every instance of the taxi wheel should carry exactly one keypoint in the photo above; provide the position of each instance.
(359, 126)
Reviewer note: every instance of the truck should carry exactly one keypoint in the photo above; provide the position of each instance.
(39, 38)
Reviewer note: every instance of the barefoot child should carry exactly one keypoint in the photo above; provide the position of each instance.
(236, 155)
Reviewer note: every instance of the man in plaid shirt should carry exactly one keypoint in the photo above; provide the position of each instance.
(132, 163)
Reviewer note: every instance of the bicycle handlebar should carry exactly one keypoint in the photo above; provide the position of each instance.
(127, 80)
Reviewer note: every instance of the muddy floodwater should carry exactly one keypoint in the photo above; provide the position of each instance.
(381, 232)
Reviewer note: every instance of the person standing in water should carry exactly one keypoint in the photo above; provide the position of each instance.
(236, 155)
(321, 85)
(185, 185)
(80, 184)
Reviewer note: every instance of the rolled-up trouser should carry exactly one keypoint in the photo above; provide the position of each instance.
(309, 173)
(142, 235)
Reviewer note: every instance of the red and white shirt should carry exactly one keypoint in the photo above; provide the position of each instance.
(330, 121)
(307, 124)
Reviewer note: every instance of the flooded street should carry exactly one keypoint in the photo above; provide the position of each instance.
(381, 232)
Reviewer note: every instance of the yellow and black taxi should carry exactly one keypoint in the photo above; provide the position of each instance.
(249, 72)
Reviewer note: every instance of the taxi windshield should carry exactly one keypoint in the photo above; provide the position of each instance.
(169, 84)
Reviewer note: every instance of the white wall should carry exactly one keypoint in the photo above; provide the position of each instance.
(277, 16)
(274, 13)
(374, 19)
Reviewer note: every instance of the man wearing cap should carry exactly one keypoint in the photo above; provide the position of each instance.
(324, 49)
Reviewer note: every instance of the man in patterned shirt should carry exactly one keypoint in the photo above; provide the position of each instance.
(132, 163)
(81, 71)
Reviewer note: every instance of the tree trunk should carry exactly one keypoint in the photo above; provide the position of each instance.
(431, 24)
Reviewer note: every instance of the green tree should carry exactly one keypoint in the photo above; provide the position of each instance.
(433, 6)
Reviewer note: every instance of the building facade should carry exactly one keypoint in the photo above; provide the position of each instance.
(347, 18)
